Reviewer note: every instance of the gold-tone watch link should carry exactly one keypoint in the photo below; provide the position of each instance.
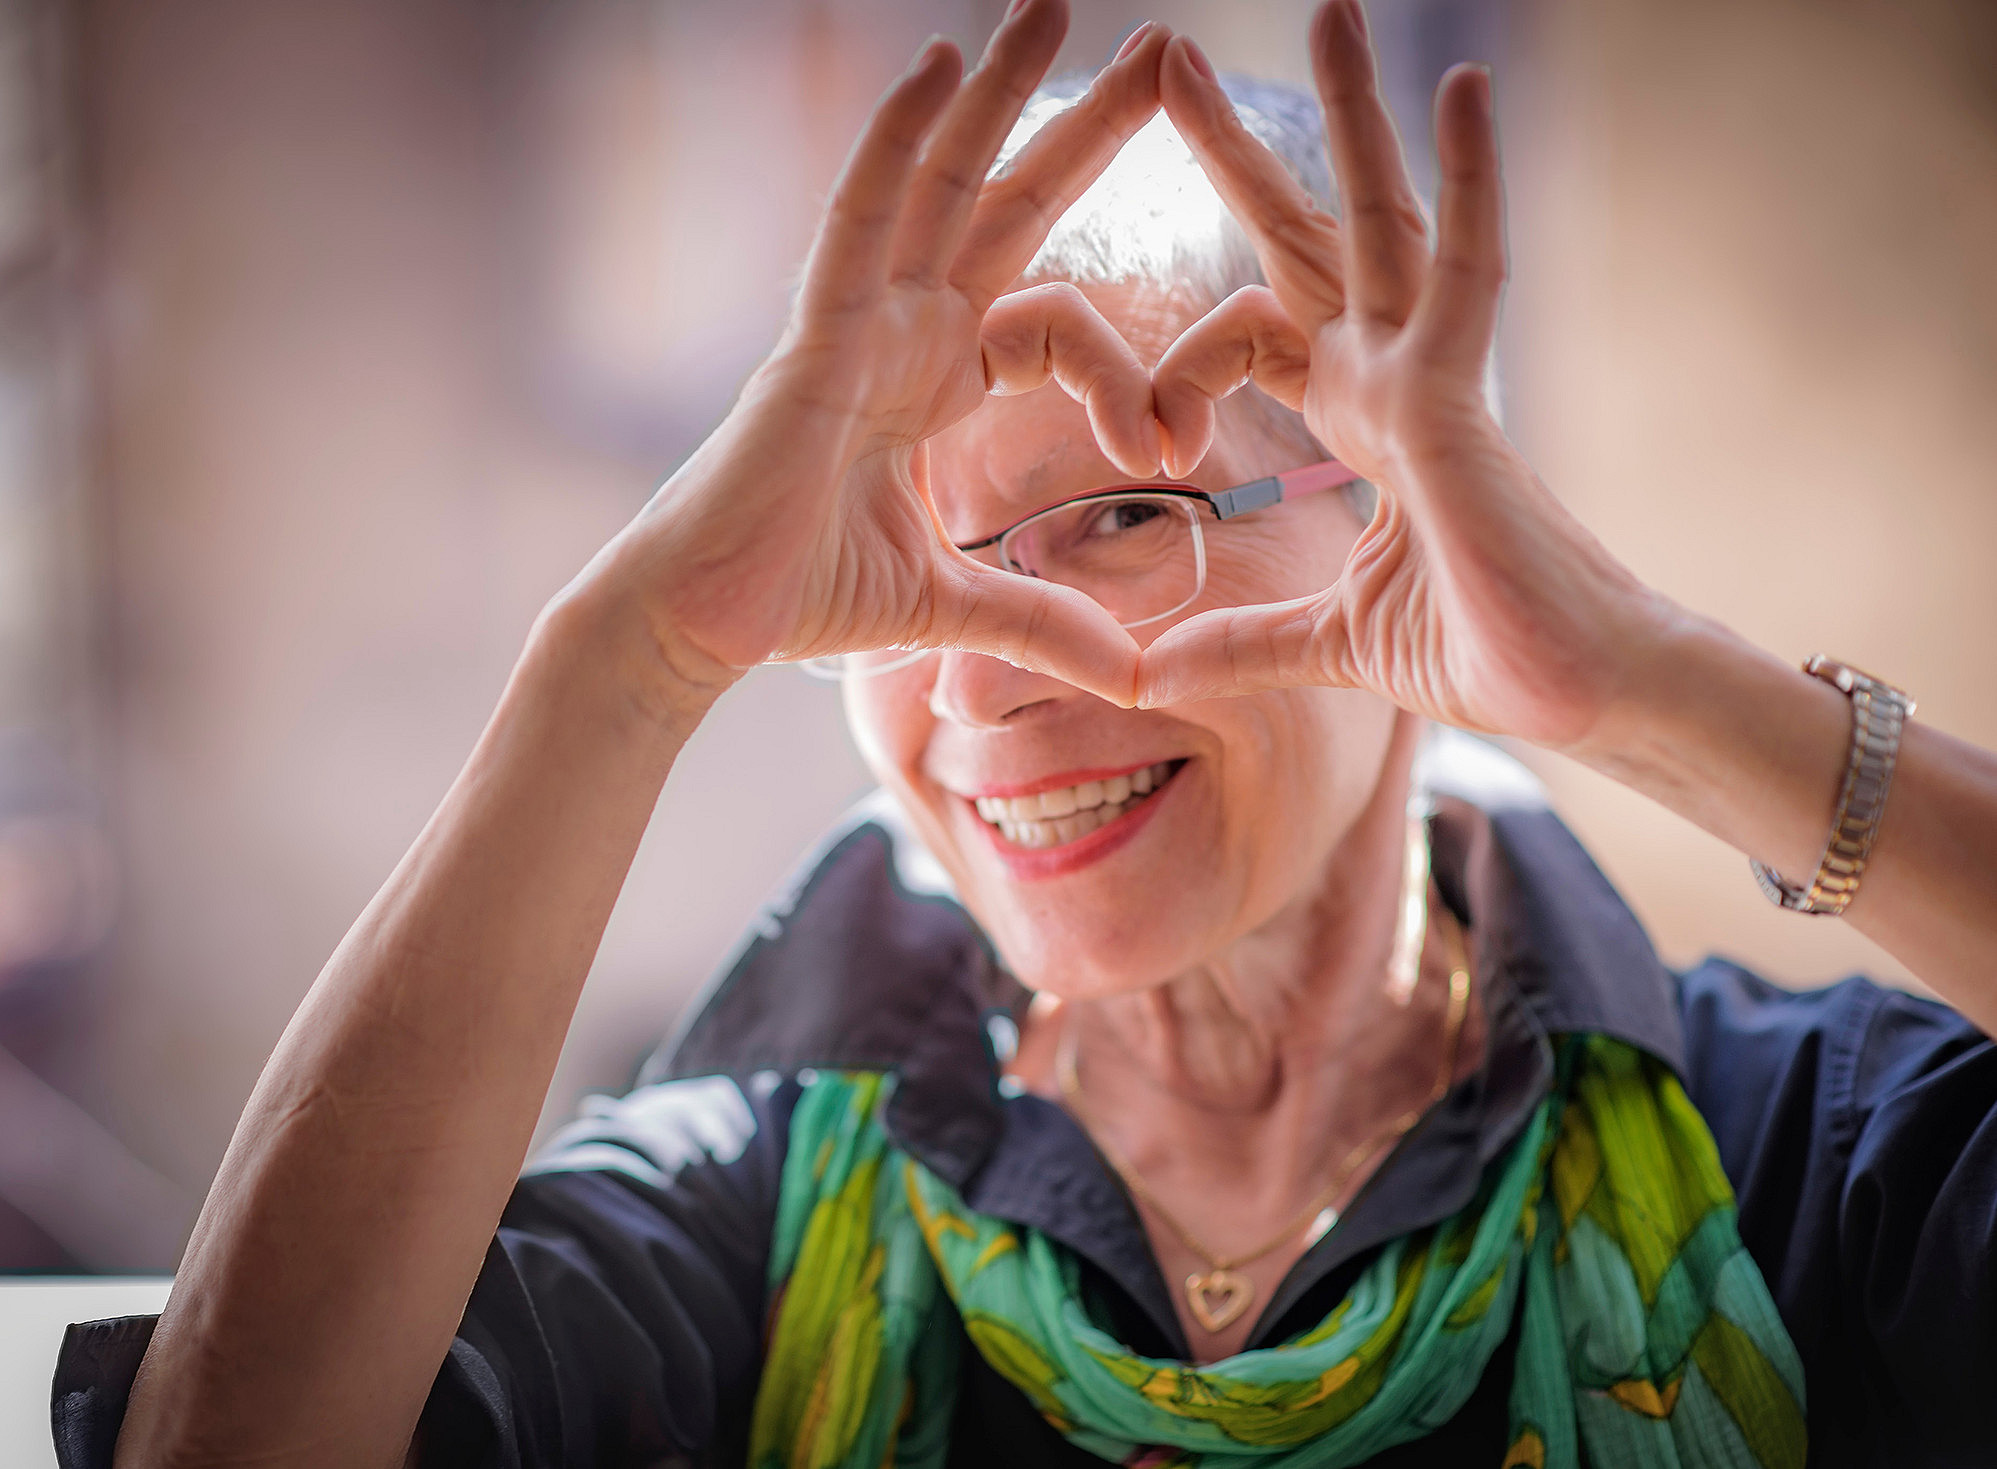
(1879, 714)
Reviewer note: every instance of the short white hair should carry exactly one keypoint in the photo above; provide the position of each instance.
(1154, 216)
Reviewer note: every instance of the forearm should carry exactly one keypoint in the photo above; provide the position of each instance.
(346, 1226)
(1754, 750)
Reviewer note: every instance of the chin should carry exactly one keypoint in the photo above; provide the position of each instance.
(1082, 961)
(1095, 903)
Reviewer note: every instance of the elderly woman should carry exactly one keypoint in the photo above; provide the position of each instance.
(1184, 1062)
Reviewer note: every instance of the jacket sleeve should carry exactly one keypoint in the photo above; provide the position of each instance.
(1859, 1127)
(617, 1317)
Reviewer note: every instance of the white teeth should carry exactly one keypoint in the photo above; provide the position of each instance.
(1058, 803)
(1052, 818)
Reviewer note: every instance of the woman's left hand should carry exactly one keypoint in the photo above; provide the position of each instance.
(1473, 597)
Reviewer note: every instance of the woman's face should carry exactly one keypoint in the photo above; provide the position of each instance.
(1252, 796)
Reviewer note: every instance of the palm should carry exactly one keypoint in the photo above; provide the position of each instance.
(1460, 600)
(855, 574)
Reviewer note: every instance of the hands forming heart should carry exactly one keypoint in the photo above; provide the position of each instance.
(805, 527)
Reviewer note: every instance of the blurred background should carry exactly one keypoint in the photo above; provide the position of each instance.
(334, 337)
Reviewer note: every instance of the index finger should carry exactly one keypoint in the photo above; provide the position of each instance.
(849, 259)
(951, 174)
(1016, 211)
(1296, 239)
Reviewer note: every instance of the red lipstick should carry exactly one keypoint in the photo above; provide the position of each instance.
(1034, 864)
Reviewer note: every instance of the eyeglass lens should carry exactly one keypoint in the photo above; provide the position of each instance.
(1140, 556)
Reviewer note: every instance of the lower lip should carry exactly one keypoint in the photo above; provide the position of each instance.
(1030, 864)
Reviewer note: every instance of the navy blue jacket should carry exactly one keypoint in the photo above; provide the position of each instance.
(619, 1316)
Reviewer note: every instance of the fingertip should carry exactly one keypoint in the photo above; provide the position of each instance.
(1187, 422)
(939, 65)
(1467, 87)
(1464, 116)
(1338, 36)
(1039, 26)
(1142, 58)
(1020, 11)
(935, 50)
(1325, 21)
(1160, 687)
(1138, 35)
(1197, 59)
(1180, 84)
(1138, 456)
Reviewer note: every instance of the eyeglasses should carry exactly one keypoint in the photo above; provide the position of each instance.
(1138, 550)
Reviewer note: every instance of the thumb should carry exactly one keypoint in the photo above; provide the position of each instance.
(1246, 650)
(1037, 625)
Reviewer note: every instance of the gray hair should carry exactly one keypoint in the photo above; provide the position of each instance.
(1153, 215)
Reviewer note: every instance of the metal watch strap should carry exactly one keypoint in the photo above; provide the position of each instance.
(1879, 714)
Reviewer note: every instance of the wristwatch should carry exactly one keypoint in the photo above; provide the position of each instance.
(1879, 713)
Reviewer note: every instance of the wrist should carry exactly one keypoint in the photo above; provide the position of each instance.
(609, 653)
(1728, 735)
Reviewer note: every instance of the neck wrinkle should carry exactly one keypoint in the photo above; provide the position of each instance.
(1271, 1057)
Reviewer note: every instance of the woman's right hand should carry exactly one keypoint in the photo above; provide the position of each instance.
(804, 526)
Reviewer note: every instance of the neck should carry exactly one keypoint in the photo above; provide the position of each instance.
(1243, 1084)
(1308, 994)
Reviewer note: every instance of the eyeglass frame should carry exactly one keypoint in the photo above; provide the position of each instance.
(1241, 499)
(1256, 494)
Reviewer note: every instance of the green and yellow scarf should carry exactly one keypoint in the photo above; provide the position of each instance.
(1646, 1333)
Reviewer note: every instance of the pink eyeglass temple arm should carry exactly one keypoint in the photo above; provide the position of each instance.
(1328, 474)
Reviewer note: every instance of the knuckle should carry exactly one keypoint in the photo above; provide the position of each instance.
(1064, 298)
(1256, 300)
(954, 176)
(1474, 266)
(1308, 234)
(1011, 88)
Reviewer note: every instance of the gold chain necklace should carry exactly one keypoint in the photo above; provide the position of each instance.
(1218, 1296)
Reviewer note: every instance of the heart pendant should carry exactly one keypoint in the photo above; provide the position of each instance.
(1218, 1298)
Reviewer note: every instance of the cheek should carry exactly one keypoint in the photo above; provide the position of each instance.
(890, 722)
(1293, 785)
(1273, 557)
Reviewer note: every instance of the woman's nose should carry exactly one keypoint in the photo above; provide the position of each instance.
(982, 692)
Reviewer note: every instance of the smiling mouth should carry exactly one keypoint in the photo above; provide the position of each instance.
(1055, 818)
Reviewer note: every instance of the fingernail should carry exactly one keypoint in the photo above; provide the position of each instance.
(1199, 60)
(1133, 40)
(1357, 13)
(1014, 8)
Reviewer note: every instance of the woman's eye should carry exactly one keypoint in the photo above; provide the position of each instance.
(1114, 518)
